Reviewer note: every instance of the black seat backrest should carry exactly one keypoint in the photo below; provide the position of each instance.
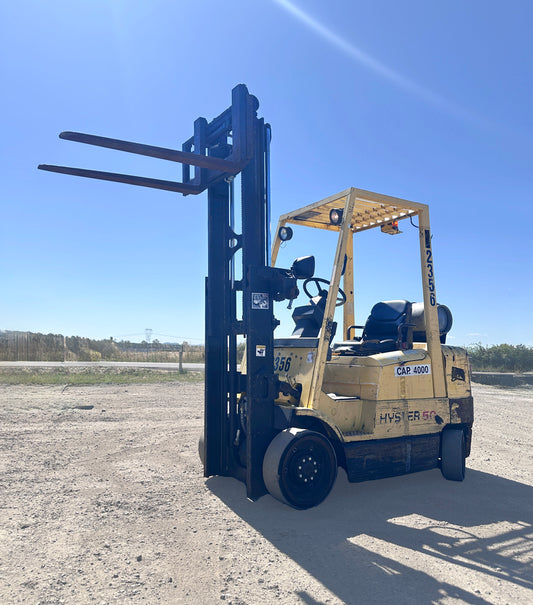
(385, 320)
(388, 328)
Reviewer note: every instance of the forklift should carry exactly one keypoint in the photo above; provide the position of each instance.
(393, 400)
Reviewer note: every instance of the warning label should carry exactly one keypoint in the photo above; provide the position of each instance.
(260, 300)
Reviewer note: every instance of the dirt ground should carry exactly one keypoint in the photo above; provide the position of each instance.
(103, 501)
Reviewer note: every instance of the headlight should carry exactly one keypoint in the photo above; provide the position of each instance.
(285, 234)
(335, 216)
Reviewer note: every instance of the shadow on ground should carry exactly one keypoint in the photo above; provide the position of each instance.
(410, 538)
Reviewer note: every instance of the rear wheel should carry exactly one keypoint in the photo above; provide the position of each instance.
(300, 467)
(453, 454)
(201, 449)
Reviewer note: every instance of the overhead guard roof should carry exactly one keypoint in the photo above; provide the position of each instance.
(370, 210)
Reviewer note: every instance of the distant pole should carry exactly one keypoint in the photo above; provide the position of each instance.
(148, 337)
(181, 360)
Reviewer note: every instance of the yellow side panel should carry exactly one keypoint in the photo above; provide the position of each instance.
(346, 415)
(379, 396)
(457, 369)
(360, 419)
(400, 382)
(386, 376)
(414, 417)
(295, 366)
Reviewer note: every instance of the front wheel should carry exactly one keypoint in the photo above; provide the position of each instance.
(201, 449)
(300, 467)
(453, 454)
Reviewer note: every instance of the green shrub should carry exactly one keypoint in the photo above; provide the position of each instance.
(501, 358)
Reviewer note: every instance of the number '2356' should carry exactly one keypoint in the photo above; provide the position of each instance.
(431, 278)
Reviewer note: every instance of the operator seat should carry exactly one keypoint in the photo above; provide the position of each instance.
(388, 328)
(394, 325)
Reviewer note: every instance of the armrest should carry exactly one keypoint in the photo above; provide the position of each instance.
(354, 336)
(405, 341)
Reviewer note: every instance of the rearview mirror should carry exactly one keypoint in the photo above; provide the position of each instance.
(303, 267)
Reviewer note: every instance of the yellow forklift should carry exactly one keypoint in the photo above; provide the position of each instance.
(388, 398)
(391, 400)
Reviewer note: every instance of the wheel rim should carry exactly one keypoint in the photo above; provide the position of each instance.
(307, 471)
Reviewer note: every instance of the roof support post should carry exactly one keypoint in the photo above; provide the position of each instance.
(348, 287)
(329, 312)
(431, 316)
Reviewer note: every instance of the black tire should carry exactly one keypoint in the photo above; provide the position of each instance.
(453, 454)
(300, 467)
(201, 449)
(242, 407)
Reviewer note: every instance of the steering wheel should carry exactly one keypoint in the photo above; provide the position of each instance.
(341, 299)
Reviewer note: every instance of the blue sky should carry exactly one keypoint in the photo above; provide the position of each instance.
(430, 101)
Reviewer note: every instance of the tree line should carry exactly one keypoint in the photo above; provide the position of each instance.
(501, 358)
(30, 346)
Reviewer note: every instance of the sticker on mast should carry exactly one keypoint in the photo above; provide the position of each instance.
(418, 370)
(260, 300)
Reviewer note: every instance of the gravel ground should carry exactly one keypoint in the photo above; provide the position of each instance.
(103, 501)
